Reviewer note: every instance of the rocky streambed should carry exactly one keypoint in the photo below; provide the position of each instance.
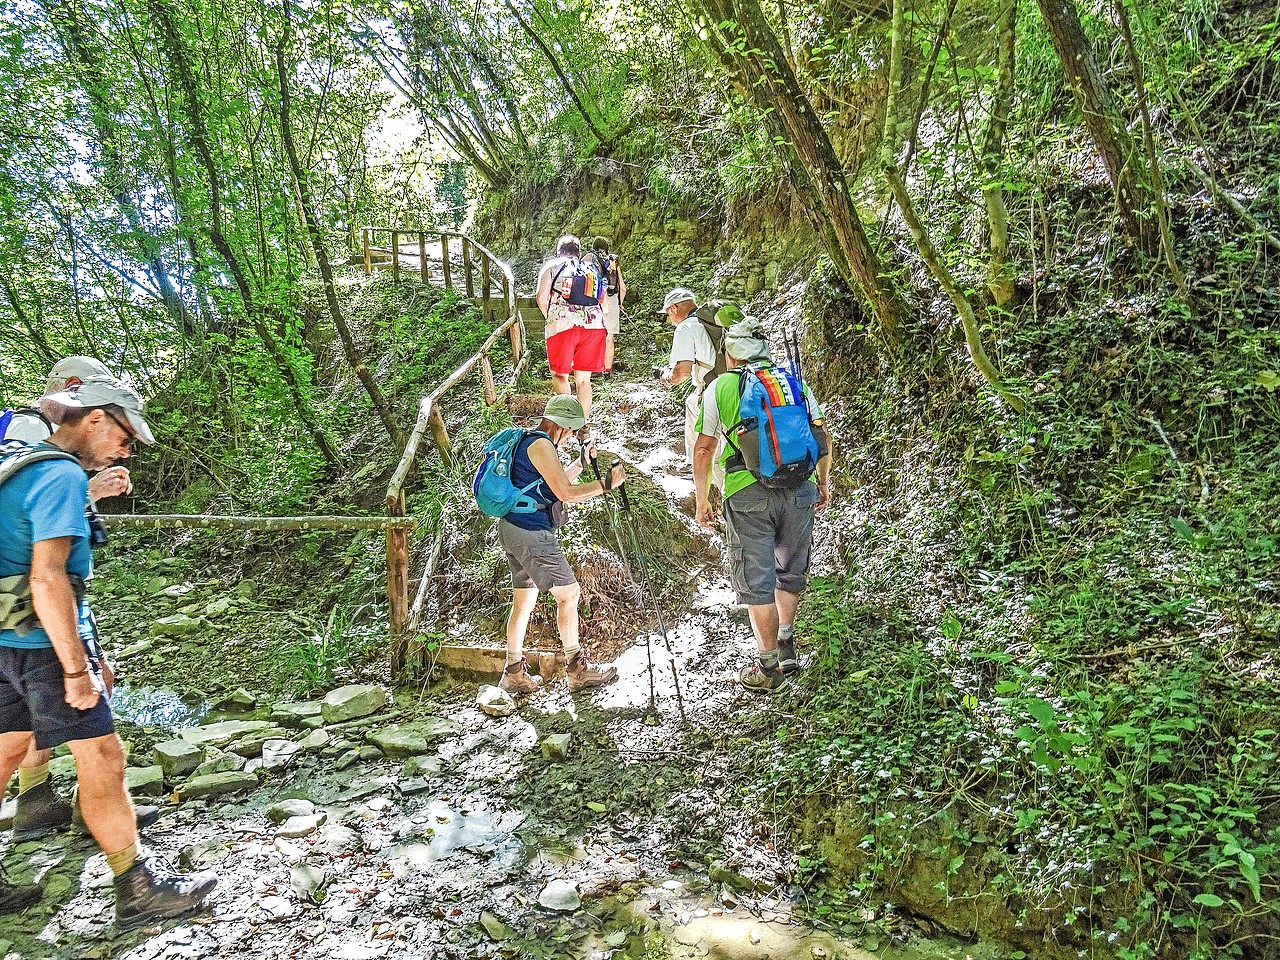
(375, 823)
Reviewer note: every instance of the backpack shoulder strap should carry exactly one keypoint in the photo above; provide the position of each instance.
(15, 456)
(556, 279)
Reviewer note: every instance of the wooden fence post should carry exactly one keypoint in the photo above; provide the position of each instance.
(490, 387)
(422, 255)
(395, 255)
(398, 586)
(485, 288)
(440, 434)
(517, 344)
(444, 256)
(466, 268)
(368, 263)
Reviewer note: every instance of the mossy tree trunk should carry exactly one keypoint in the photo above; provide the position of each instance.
(999, 275)
(180, 67)
(306, 210)
(745, 43)
(1103, 120)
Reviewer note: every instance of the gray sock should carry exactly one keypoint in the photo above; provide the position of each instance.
(769, 660)
(786, 631)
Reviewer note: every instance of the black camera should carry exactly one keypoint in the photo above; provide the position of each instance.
(97, 529)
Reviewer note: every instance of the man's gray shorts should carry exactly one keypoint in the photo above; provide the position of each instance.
(534, 558)
(768, 534)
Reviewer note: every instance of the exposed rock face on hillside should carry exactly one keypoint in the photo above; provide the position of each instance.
(734, 254)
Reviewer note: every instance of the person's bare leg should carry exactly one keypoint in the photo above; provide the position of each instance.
(567, 617)
(522, 604)
(608, 352)
(104, 800)
(764, 623)
(14, 748)
(788, 604)
(560, 382)
(583, 380)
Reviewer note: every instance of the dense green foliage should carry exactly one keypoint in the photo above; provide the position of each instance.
(1045, 325)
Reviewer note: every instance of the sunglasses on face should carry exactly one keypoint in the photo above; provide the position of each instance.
(130, 437)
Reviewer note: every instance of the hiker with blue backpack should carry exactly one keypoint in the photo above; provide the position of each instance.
(55, 680)
(522, 482)
(39, 808)
(776, 456)
(570, 295)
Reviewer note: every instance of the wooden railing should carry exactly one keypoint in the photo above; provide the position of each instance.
(429, 417)
(474, 258)
(395, 523)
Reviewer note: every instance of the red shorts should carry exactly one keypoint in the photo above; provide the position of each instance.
(577, 349)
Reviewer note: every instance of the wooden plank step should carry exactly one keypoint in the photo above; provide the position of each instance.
(485, 664)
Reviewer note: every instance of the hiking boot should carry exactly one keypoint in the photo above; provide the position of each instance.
(144, 814)
(17, 897)
(40, 812)
(757, 679)
(147, 892)
(517, 680)
(788, 662)
(583, 676)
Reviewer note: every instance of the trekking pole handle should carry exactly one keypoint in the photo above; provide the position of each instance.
(622, 489)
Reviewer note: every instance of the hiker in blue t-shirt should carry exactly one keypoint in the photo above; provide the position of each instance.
(55, 682)
(39, 809)
(533, 552)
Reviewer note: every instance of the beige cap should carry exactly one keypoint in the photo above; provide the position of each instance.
(107, 392)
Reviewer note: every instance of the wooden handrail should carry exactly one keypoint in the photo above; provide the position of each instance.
(429, 417)
(466, 245)
(197, 521)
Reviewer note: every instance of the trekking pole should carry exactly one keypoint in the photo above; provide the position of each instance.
(653, 598)
(622, 553)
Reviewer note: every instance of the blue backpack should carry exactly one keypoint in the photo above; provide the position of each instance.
(6, 418)
(774, 438)
(495, 494)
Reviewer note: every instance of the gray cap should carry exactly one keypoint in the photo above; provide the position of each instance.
(75, 368)
(678, 295)
(107, 392)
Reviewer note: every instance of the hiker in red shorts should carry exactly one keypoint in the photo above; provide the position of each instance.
(570, 294)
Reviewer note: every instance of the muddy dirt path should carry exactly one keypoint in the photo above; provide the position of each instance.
(475, 840)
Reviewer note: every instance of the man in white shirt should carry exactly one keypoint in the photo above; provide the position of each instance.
(693, 355)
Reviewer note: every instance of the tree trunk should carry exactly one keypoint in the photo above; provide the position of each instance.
(83, 55)
(307, 213)
(1149, 144)
(1102, 119)
(763, 75)
(999, 276)
(177, 56)
(559, 71)
(968, 320)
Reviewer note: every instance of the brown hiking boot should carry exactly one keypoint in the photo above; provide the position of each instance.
(40, 811)
(582, 675)
(517, 680)
(147, 892)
